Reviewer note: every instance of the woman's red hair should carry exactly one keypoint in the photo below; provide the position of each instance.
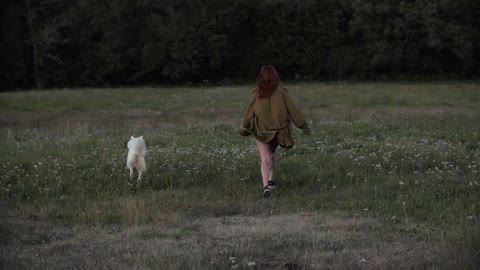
(267, 81)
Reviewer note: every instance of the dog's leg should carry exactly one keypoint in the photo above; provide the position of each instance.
(139, 180)
(131, 173)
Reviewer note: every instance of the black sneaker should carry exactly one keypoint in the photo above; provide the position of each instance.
(271, 184)
(266, 192)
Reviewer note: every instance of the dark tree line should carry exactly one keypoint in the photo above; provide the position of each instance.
(57, 43)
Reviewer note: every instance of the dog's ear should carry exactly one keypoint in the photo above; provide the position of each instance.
(131, 138)
(141, 137)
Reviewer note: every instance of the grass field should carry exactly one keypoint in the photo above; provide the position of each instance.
(389, 178)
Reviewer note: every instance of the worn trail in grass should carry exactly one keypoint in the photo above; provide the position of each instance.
(295, 240)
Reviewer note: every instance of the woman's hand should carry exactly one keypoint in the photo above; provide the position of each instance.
(245, 132)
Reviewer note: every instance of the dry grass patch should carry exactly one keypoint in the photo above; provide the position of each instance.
(306, 240)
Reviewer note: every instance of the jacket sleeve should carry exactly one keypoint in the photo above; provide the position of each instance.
(246, 127)
(295, 114)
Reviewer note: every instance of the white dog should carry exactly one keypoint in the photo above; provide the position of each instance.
(136, 156)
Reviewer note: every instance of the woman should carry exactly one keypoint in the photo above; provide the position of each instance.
(268, 117)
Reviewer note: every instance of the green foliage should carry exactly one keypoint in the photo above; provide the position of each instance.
(107, 43)
(415, 38)
(14, 70)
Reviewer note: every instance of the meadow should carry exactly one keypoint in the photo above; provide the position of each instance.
(389, 178)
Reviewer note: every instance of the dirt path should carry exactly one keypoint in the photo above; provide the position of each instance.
(151, 119)
(308, 240)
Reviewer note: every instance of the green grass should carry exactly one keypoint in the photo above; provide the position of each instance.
(399, 153)
(345, 164)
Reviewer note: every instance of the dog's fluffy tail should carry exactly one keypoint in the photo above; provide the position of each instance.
(137, 162)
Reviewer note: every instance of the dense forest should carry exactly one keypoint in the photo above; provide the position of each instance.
(58, 43)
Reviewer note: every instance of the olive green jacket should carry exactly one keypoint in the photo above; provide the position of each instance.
(269, 118)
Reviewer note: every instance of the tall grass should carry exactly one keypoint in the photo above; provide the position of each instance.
(417, 165)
